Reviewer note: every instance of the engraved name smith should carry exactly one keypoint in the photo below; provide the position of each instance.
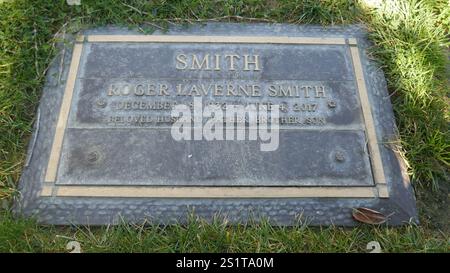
(216, 89)
(218, 62)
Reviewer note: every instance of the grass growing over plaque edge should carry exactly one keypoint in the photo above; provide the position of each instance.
(409, 37)
(216, 236)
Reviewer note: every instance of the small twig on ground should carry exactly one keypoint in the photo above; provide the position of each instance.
(154, 25)
(36, 63)
(135, 9)
(66, 237)
(214, 19)
(61, 63)
(137, 25)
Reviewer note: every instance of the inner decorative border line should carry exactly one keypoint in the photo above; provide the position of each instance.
(379, 190)
(55, 154)
(214, 39)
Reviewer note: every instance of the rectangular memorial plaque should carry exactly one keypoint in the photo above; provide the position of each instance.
(104, 144)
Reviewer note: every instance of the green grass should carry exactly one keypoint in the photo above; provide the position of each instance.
(409, 47)
(199, 236)
(410, 39)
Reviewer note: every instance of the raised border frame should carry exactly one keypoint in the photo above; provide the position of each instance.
(380, 188)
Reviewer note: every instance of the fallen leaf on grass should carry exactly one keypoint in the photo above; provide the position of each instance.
(368, 216)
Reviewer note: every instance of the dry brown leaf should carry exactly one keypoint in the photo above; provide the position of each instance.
(368, 216)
